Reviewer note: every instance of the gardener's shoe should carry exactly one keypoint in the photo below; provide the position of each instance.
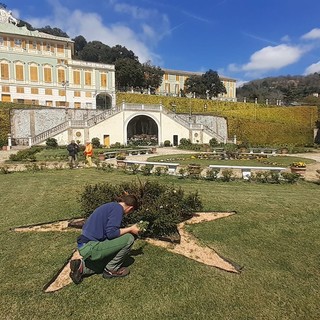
(122, 272)
(76, 273)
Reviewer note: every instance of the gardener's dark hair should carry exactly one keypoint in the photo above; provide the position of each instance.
(130, 200)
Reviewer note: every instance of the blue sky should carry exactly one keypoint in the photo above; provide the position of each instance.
(241, 39)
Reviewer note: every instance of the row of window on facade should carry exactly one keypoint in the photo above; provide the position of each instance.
(176, 90)
(33, 72)
(48, 103)
(46, 91)
(31, 44)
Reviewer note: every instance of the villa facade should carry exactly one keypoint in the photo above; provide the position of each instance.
(174, 80)
(37, 68)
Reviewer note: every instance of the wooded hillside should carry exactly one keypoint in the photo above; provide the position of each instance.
(294, 90)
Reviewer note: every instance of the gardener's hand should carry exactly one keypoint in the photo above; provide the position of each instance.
(135, 229)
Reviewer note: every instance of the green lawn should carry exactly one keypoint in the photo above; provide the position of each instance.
(275, 236)
(185, 159)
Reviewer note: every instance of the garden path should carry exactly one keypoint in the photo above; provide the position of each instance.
(311, 172)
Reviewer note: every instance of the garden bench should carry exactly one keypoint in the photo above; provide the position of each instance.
(113, 154)
(138, 151)
(246, 170)
(110, 154)
(263, 150)
(252, 155)
(218, 150)
(172, 167)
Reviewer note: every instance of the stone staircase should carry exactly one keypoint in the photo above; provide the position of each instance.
(43, 136)
(195, 126)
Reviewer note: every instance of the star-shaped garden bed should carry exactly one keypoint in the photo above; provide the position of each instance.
(188, 246)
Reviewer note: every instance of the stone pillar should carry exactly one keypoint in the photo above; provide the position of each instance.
(9, 141)
(29, 141)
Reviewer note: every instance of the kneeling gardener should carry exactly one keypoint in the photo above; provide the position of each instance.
(103, 245)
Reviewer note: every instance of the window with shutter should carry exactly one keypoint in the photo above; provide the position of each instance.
(60, 48)
(19, 73)
(61, 75)
(4, 71)
(34, 73)
(76, 77)
(103, 80)
(88, 78)
(47, 74)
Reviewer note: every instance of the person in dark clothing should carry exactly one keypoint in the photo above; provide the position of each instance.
(73, 150)
(103, 245)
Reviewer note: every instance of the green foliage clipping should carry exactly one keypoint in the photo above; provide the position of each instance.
(162, 206)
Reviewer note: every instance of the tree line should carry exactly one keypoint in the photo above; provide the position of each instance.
(288, 89)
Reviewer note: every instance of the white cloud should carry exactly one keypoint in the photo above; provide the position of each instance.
(134, 11)
(286, 38)
(241, 83)
(139, 37)
(270, 58)
(315, 67)
(312, 35)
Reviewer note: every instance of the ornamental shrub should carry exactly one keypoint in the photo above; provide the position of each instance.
(161, 205)
(51, 143)
(213, 142)
(27, 154)
(184, 142)
(96, 142)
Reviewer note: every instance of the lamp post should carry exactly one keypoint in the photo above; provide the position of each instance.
(205, 107)
(65, 84)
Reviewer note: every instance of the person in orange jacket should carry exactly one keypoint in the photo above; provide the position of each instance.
(88, 152)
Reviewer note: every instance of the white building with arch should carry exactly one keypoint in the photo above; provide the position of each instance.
(124, 124)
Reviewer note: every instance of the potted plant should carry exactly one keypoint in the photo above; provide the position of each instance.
(120, 157)
(101, 156)
(194, 169)
(298, 167)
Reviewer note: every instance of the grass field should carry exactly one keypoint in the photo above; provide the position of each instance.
(275, 236)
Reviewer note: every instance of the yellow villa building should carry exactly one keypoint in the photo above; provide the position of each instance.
(173, 81)
(37, 68)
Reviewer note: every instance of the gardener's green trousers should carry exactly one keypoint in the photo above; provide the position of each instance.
(108, 254)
